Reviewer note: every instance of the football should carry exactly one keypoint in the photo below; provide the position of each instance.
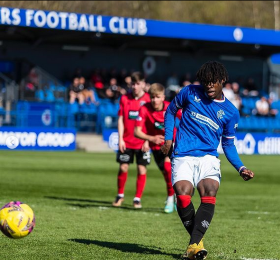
(17, 219)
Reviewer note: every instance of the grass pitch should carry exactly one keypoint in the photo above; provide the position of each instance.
(71, 194)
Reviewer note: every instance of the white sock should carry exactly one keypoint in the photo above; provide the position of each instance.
(121, 195)
(137, 199)
(170, 199)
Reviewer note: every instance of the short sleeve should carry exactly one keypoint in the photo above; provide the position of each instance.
(231, 126)
(121, 110)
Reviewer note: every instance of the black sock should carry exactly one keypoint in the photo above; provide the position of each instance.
(187, 217)
(202, 221)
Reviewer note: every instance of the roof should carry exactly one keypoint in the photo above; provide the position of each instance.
(161, 34)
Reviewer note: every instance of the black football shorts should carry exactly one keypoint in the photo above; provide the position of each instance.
(159, 158)
(128, 157)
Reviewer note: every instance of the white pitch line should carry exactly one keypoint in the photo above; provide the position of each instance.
(103, 208)
(259, 212)
(243, 258)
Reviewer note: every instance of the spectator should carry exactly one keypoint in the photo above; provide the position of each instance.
(76, 91)
(186, 77)
(87, 92)
(250, 88)
(147, 87)
(228, 92)
(127, 84)
(113, 92)
(235, 88)
(262, 107)
(272, 111)
(172, 87)
(96, 77)
(122, 76)
(113, 74)
(186, 83)
(97, 80)
(237, 101)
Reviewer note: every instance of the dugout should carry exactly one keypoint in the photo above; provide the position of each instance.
(60, 42)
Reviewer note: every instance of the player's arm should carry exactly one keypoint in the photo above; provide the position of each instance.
(230, 149)
(157, 139)
(122, 146)
(138, 130)
(169, 119)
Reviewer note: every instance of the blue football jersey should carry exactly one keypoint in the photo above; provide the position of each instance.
(204, 121)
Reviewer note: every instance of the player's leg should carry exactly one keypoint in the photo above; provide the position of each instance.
(124, 159)
(183, 172)
(185, 208)
(142, 160)
(207, 180)
(167, 176)
(182, 180)
(164, 164)
(207, 189)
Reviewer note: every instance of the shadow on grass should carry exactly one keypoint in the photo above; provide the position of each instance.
(125, 247)
(102, 203)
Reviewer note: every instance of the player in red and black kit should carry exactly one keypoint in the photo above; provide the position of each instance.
(129, 145)
(150, 127)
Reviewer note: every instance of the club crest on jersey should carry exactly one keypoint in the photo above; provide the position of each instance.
(133, 114)
(196, 99)
(159, 125)
(220, 114)
(142, 103)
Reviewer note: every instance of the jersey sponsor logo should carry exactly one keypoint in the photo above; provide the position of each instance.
(124, 157)
(205, 119)
(133, 114)
(159, 125)
(220, 114)
(197, 99)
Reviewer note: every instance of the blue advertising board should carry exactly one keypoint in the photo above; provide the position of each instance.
(35, 114)
(136, 26)
(54, 139)
(246, 143)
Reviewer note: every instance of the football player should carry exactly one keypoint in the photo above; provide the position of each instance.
(129, 145)
(207, 116)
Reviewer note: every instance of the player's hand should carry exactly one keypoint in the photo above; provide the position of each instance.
(158, 139)
(122, 146)
(166, 147)
(145, 147)
(247, 174)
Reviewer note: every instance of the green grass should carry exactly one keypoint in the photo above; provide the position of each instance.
(71, 195)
